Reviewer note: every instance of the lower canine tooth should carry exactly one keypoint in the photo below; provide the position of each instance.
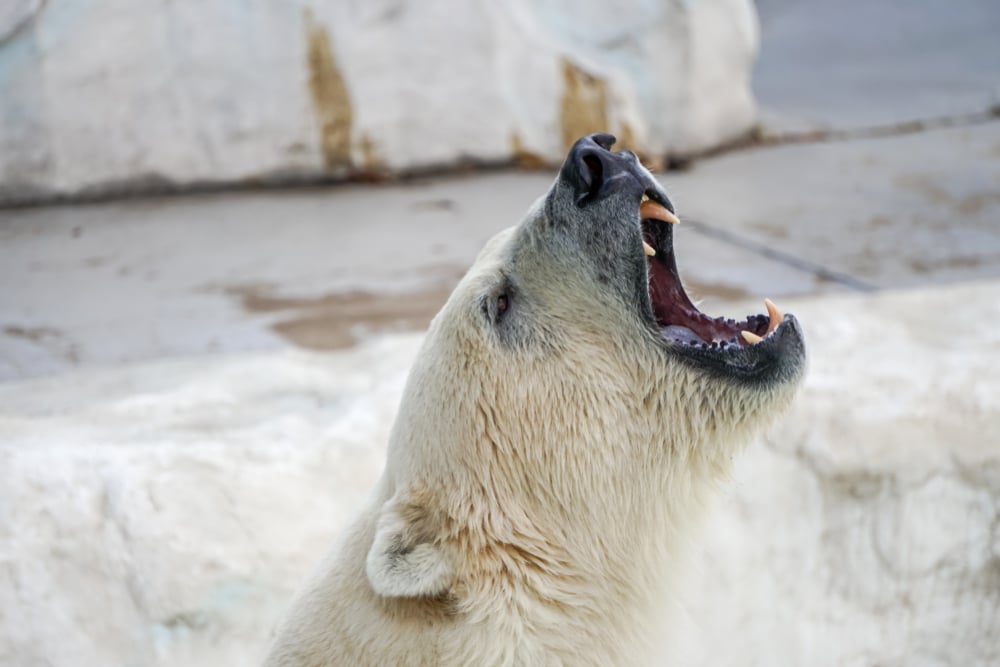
(751, 337)
(648, 248)
(775, 315)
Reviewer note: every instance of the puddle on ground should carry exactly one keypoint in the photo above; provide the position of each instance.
(338, 320)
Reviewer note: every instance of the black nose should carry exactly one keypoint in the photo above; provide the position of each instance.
(595, 172)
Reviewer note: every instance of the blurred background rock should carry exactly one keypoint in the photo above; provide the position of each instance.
(119, 96)
(195, 389)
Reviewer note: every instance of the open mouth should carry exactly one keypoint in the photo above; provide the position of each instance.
(679, 321)
(760, 348)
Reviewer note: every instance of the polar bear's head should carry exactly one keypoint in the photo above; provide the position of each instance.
(569, 393)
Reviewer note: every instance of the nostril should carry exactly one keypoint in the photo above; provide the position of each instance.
(595, 171)
(590, 166)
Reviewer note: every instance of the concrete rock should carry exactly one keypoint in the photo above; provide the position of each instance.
(121, 95)
(864, 530)
(163, 513)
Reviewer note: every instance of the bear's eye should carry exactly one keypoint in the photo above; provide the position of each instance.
(501, 305)
(496, 304)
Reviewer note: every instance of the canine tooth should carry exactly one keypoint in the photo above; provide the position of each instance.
(649, 249)
(775, 315)
(751, 337)
(651, 209)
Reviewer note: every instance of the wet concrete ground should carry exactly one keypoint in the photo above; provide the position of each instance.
(322, 268)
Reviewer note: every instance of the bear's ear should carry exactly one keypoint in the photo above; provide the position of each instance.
(403, 560)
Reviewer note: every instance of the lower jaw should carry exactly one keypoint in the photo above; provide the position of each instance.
(699, 330)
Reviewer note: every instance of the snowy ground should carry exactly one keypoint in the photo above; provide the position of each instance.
(187, 416)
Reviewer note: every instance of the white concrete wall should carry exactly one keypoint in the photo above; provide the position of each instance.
(99, 95)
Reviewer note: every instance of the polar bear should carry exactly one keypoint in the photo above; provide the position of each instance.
(567, 414)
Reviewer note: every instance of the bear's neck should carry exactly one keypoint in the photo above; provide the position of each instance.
(607, 570)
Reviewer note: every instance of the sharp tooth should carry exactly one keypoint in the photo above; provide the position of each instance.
(775, 315)
(751, 337)
(651, 209)
(649, 249)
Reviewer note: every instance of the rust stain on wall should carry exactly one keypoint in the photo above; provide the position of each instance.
(333, 321)
(371, 163)
(627, 140)
(584, 105)
(331, 101)
(524, 157)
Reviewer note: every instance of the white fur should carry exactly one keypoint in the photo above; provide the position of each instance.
(535, 501)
